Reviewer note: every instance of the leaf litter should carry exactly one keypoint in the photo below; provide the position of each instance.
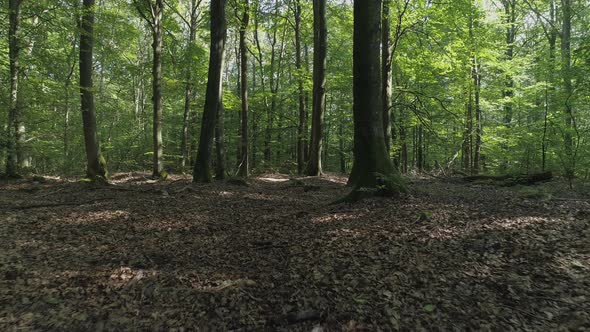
(273, 255)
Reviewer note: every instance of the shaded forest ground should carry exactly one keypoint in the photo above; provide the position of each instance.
(276, 256)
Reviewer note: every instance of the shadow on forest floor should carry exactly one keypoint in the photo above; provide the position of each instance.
(274, 255)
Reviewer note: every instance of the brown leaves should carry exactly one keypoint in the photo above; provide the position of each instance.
(172, 255)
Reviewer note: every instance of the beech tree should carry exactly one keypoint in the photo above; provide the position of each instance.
(372, 167)
(14, 113)
(189, 88)
(320, 41)
(96, 165)
(151, 12)
(244, 164)
(213, 96)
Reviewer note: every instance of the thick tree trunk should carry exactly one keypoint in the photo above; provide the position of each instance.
(13, 112)
(314, 164)
(157, 31)
(96, 166)
(372, 166)
(244, 166)
(213, 96)
(189, 86)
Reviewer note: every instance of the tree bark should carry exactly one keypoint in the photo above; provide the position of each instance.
(478, 118)
(189, 85)
(220, 163)
(157, 31)
(302, 127)
(13, 112)
(213, 96)
(244, 166)
(510, 32)
(386, 60)
(372, 166)
(96, 165)
(566, 62)
(314, 164)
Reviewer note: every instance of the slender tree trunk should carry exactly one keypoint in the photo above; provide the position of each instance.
(13, 112)
(566, 61)
(372, 166)
(189, 85)
(254, 122)
(244, 167)
(341, 153)
(157, 31)
(306, 124)
(302, 127)
(467, 133)
(96, 166)
(478, 122)
(404, 147)
(420, 148)
(213, 96)
(508, 92)
(314, 164)
(386, 60)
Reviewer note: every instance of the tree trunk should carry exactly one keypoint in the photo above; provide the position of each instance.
(302, 127)
(96, 166)
(478, 122)
(157, 31)
(566, 63)
(213, 96)
(189, 85)
(244, 166)
(255, 118)
(314, 164)
(508, 92)
(467, 132)
(372, 167)
(220, 164)
(420, 148)
(14, 112)
(386, 59)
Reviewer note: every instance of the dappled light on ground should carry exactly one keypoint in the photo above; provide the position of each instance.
(144, 254)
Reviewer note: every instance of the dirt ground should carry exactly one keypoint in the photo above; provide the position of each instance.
(276, 256)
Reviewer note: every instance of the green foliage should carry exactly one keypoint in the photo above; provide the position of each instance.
(435, 45)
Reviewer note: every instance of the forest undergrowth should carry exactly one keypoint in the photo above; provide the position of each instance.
(276, 255)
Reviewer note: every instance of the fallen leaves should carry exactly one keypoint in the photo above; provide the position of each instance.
(271, 255)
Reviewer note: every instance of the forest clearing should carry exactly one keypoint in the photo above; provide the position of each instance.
(276, 255)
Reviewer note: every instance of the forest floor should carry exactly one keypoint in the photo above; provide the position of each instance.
(276, 256)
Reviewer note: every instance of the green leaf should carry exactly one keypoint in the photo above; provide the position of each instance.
(429, 308)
